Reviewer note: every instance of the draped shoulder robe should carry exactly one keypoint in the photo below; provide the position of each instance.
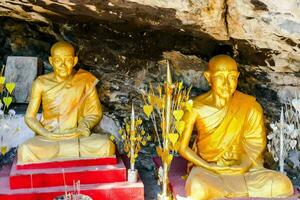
(65, 105)
(239, 129)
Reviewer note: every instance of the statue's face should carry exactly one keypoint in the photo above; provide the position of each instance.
(222, 75)
(223, 83)
(63, 61)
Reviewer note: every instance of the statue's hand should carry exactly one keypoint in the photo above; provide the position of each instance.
(228, 170)
(238, 169)
(83, 131)
(65, 136)
(230, 156)
(70, 134)
(217, 168)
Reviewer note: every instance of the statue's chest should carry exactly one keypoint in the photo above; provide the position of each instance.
(209, 118)
(59, 100)
(220, 124)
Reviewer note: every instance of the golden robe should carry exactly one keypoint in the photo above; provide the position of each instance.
(66, 105)
(237, 128)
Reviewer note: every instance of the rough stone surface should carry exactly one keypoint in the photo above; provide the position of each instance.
(108, 125)
(22, 71)
(8, 158)
(267, 29)
(273, 25)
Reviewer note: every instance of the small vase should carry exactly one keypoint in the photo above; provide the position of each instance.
(132, 175)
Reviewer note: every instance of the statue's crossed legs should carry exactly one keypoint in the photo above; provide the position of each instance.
(40, 149)
(203, 184)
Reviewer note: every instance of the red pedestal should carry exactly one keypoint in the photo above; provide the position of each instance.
(178, 170)
(35, 178)
(104, 191)
(71, 163)
(103, 182)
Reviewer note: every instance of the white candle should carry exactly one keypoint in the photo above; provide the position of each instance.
(281, 158)
(132, 132)
(167, 131)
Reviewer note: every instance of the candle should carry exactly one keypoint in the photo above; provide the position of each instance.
(132, 134)
(65, 184)
(78, 189)
(168, 124)
(168, 104)
(281, 158)
(169, 101)
(132, 118)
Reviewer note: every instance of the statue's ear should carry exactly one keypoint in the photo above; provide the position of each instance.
(50, 61)
(75, 60)
(207, 77)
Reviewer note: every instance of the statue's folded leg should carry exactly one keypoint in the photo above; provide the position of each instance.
(40, 149)
(268, 183)
(203, 184)
(37, 149)
(96, 145)
(68, 148)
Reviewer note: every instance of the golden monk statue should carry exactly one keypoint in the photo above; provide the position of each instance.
(71, 108)
(231, 138)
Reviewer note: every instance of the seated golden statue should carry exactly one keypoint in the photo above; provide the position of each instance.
(231, 138)
(70, 109)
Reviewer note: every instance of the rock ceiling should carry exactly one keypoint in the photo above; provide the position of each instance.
(272, 27)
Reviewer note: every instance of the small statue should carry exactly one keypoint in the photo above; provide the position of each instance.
(227, 155)
(71, 108)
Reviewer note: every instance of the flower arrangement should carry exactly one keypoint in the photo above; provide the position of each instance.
(8, 131)
(285, 134)
(134, 137)
(165, 108)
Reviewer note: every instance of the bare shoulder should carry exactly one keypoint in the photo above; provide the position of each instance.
(200, 100)
(43, 80)
(86, 76)
(249, 102)
(243, 96)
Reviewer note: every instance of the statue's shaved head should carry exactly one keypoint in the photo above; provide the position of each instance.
(222, 63)
(62, 48)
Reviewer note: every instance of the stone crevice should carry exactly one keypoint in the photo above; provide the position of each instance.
(225, 15)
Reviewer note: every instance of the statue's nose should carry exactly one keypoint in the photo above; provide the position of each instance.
(63, 66)
(226, 84)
